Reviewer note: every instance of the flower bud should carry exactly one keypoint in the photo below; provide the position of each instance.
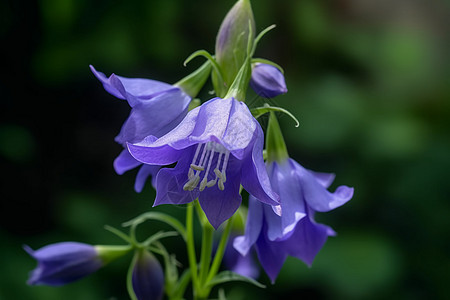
(62, 263)
(232, 43)
(148, 277)
(267, 81)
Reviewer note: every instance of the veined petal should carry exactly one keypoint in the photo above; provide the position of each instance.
(134, 90)
(254, 175)
(154, 117)
(170, 182)
(219, 205)
(316, 195)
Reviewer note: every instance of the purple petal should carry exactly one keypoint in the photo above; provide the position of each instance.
(307, 240)
(286, 184)
(271, 255)
(253, 227)
(144, 172)
(315, 194)
(170, 182)
(254, 174)
(325, 179)
(134, 90)
(219, 205)
(125, 162)
(156, 116)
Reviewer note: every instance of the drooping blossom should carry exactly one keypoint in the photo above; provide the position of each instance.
(240, 264)
(267, 81)
(290, 229)
(216, 148)
(156, 108)
(147, 277)
(65, 262)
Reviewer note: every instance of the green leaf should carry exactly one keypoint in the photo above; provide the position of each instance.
(158, 217)
(227, 276)
(259, 111)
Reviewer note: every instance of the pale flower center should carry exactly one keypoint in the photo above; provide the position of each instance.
(202, 163)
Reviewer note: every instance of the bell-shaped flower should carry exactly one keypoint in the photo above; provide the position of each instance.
(216, 148)
(62, 263)
(290, 229)
(147, 277)
(156, 108)
(267, 81)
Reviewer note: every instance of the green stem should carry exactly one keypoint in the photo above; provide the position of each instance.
(220, 250)
(205, 258)
(191, 247)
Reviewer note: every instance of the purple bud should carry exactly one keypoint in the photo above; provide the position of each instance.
(63, 263)
(267, 81)
(148, 277)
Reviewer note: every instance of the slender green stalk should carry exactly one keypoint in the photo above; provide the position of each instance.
(220, 250)
(205, 258)
(191, 247)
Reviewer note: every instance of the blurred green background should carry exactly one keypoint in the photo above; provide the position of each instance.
(368, 80)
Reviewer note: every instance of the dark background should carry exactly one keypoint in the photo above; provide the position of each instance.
(368, 80)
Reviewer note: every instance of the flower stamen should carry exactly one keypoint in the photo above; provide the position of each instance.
(206, 159)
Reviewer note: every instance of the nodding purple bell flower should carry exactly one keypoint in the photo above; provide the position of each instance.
(216, 148)
(290, 229)
(65, 262)
(156, 108)
(267, 81)
(147, 277)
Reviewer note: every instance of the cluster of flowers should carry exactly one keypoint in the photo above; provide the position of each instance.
(216, 148)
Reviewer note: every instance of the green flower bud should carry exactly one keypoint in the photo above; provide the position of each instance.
(232, 43)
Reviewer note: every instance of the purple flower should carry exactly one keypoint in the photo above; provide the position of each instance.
(147, 277)
(295, 233)
(63, 263)
(156, 108)
(217, 147)
(240, 264)
(267, 81)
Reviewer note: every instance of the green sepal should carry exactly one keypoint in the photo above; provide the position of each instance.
(275, 145)
(194, 82)
(169, 220)
(159, 235)
(227, 276)
(259, 111)
(194, 103)
(109, 253)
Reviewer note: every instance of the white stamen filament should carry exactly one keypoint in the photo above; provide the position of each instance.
(206, 158)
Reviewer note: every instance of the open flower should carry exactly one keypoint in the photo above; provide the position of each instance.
(217, 147)
(156, 108)
(147, 277)
(290, 229)
(62, 263)
(267, 81)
